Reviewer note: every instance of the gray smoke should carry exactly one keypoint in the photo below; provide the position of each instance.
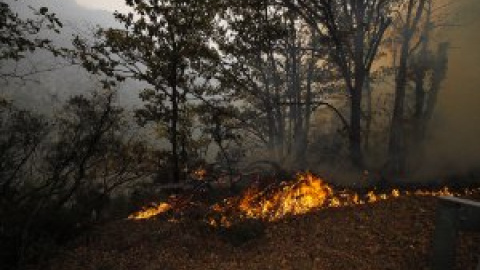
(454, 145)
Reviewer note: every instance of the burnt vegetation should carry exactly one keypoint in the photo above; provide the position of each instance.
(235, 98)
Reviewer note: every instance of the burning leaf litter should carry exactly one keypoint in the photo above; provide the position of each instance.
(308, 192)
(151, 211)
(391, 234)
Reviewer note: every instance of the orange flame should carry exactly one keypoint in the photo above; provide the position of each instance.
(151, 211)
(306, 193)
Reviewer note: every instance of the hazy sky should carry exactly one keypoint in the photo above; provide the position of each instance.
(109, 5)
(455, 140)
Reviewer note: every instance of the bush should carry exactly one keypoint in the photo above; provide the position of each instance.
(56, 179)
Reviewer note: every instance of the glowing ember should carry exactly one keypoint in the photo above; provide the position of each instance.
(199, 174)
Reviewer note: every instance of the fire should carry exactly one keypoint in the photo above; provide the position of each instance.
(151, 211)
(174, 203)
(306, 193)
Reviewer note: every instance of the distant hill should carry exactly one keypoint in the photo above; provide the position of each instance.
(47, 90)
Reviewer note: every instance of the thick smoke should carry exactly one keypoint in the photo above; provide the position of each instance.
(454, 145)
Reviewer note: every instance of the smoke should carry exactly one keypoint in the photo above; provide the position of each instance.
(453, 145)
(454, 137)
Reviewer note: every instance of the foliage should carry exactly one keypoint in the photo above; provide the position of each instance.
(354, 31)
(57, 178)
(246, 76)
(167, 45)
(20, 36)
(16, 33)
(279, 72)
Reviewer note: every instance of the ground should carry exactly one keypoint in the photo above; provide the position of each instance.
(391, 234)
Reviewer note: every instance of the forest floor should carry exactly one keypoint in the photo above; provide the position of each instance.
(391, 234)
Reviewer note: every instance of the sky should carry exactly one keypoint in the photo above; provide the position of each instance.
(79, 17)
(107, 5)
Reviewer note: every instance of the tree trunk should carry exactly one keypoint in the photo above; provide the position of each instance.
(175, 114)
(355, 128)
(294, 91)
(421, 68)
(397, 144)
(356, 93)
(174, 135)
(369, 117)
(303, 137)
(439, 74)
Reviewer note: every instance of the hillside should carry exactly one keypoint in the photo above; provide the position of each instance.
(390, 234)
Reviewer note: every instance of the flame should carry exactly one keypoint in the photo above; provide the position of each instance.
(174, 203)
(306, 193)
(151, 211)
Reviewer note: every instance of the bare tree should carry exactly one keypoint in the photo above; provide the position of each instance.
(353, 30)
(275, 66)
(397, 143)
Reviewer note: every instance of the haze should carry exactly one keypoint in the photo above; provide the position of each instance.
(453, 143)
(108, 5)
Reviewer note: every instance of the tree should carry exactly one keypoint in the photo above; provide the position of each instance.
(253, 71)
(397, 143)
(55, 174)
(21, 133)
(417, 61)
(21, 136)
(275, 70)
(19, 36)
(353, 30)
(426, 61)
(167, 45)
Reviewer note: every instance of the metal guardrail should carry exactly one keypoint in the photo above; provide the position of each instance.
(453, 215)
